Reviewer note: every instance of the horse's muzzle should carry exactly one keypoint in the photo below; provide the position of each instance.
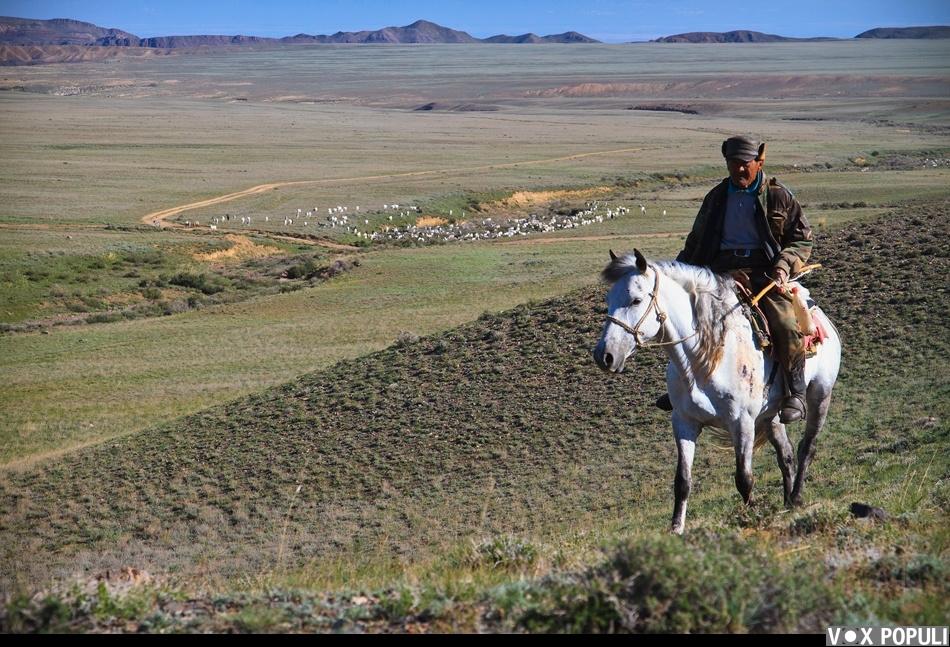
(606, 360)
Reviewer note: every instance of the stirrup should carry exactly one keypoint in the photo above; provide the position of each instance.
(663, 402)
(793, 409)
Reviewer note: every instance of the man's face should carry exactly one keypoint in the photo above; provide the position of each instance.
(743, 173)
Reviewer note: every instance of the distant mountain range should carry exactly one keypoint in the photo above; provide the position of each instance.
(61, 31)
(745, 36)
(24, 41)
(738, 36)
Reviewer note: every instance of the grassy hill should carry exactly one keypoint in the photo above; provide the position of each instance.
(492, 478)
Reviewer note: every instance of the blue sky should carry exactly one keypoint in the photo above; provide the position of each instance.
(607, 20)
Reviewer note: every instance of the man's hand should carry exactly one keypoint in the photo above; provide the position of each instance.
(780, 277)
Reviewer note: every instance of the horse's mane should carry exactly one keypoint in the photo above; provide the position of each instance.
(712, 296)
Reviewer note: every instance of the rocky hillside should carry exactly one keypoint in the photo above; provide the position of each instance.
(746, 36)
(939, 31)
(61, 31)
(566, 37)
(738, 36)
(42, 54)
(421, 31)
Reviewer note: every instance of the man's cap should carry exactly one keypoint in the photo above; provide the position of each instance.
(742, 148)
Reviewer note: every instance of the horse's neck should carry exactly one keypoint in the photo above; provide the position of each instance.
(680, 324)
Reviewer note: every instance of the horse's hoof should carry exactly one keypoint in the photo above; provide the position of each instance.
(677, 530)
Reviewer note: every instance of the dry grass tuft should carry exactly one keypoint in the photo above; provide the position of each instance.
(536, 198)
(241, 248)
(430, 221)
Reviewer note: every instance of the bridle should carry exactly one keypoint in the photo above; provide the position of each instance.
(660, 317)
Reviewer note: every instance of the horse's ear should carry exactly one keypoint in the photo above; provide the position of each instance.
(641, 262)
(613, 257)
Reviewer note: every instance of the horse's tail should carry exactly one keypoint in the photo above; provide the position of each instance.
(722, 439)
(761, 437)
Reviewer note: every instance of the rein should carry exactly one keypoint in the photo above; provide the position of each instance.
(660, 317)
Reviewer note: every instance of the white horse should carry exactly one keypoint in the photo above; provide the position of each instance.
(717, 376)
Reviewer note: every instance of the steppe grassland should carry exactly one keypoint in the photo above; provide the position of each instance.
(495, 452)
(148, 135)
(150, 370)
(103, 380)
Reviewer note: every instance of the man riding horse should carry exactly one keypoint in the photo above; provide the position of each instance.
(756, 230)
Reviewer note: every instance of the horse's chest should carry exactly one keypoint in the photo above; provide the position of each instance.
(745, 376)
(730, 395)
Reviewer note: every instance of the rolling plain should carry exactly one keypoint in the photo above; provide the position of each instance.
(275, 426)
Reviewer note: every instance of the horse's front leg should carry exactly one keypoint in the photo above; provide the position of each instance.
(743, 438)
(686, 432)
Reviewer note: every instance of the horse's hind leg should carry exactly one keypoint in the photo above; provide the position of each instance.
(686, 432)
(786, 459)
(744, 442)
(817, 413)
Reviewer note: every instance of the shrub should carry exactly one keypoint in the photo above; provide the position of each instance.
(149, 257)
(405, 338)
(203, 282)
(174, 307)
(50, 614)
(504, 553)
(92, 302)
(667, 585)
(105, 317)
(819, 520)
(914, 571)
(302, 270)
(57, 290)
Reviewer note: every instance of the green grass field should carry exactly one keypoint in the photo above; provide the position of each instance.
(279, 449)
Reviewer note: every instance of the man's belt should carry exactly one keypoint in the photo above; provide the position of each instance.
(741, 253)
(731, 259)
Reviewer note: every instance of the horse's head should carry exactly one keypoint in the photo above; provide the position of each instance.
(629, 301)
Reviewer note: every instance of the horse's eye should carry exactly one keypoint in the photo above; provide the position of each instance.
(636, 302)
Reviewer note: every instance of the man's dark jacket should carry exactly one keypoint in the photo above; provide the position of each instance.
(782, 226)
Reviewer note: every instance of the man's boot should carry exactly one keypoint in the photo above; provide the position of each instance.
(663, 402)
(793, 406)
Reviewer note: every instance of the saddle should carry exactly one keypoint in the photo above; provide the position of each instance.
(754, 314)
(812, 330)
